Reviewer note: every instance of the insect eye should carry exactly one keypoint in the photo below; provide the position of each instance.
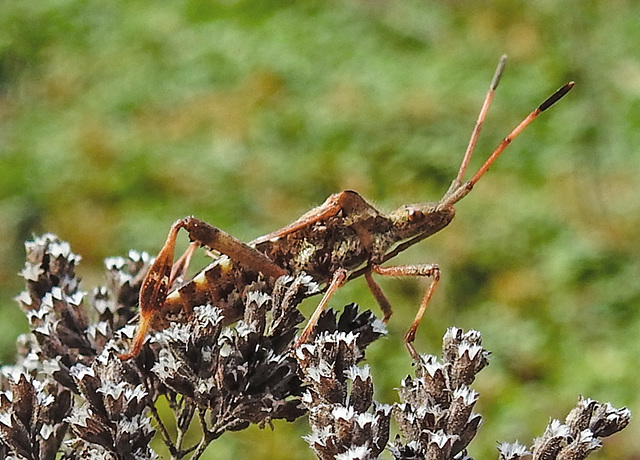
(413, 214)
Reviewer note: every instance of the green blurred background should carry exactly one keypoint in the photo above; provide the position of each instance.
(118, 117)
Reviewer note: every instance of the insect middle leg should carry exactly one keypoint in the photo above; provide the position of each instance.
(340, 277)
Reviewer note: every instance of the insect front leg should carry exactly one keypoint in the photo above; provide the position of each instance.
(430, 270)
(163, 272)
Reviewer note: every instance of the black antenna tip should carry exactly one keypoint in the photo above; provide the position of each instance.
(555, 97)
(496, 76)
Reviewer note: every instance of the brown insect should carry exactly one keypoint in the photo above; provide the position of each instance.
(342, 239)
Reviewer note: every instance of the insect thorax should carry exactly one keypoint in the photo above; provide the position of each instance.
(325, 246)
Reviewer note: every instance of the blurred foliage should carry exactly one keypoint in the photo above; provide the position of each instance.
(118, 117)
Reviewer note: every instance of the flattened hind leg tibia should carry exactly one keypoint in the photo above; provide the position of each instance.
(163, 272)
(138, 339)
(153, 291)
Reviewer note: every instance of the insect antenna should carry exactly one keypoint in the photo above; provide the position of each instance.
(481, 116)
(458, 191)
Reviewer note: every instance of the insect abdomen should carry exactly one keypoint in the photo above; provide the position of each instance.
(217, 285)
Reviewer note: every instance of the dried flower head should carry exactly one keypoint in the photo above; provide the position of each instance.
(114, 411)
(32, 416)
(68, 396)
(346, 422)
(242, 373)
(435, 414)
(582, 431)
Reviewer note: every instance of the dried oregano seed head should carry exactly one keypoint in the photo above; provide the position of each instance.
(114, 414)
(554, 438)
(512, 451)
(32, 415)
(346, 422)
(236, 375)
(435, 414)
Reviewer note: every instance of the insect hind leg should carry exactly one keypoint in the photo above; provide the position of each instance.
(163, 272)
(181, 266)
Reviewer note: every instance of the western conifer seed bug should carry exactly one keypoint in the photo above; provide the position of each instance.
(342, 239)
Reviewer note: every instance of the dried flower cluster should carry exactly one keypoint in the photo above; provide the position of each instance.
(32, 417)
(68, 354)
(110, 417)
(436, 414)
(581, 433)
(69, 396)
(346, 422)
(242, 374)
(229, 377)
